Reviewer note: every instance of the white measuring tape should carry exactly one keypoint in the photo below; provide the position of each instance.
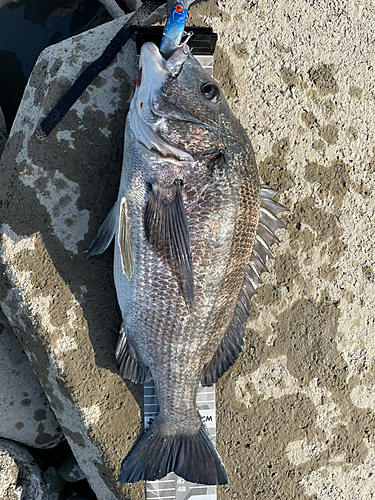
(173, 487)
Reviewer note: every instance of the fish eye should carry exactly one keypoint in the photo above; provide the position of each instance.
(210, 92)
(179, 8)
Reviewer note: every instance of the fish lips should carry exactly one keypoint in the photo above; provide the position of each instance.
(150, 100)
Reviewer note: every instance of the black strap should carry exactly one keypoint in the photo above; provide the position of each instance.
(88, 75)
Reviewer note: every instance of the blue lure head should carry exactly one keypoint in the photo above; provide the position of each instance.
(173, 30)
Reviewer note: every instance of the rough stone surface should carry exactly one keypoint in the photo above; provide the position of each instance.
(54, 483)
(113, 8)
(69, 470)
(4, 3)
(25, 414)
(296, 412)
(73, 495)
(20, 477)
(62, 307)
(3, 132)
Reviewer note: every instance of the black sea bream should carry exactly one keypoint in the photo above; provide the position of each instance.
(193, 230)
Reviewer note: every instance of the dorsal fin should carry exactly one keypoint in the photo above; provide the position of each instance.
(231, 345)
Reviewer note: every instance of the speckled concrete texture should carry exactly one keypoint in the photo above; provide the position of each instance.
(296, 413)
(25, 414)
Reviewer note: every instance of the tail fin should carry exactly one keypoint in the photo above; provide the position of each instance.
(191, 456)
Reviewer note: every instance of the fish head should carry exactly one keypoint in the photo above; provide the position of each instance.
(179, 107)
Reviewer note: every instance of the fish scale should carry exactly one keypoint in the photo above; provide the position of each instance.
(232, 281)
(180, 359)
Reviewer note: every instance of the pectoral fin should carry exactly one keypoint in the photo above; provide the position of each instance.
(167, 233)
(105, 234)
(127, 259)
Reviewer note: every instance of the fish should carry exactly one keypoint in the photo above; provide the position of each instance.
(193, 230)
(174, 29)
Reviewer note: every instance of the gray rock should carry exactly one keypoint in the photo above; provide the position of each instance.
(20, 477)
(113, 9)
(54, 483)
(8, 477)
(3, 132)
(73, 495)
(69, 470)
(4, 3)
(62, 307)
(25, 414)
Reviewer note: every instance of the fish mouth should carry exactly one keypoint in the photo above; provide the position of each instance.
(144, 116)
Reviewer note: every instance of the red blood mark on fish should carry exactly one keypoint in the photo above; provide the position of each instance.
(141, 104)
(139, 79)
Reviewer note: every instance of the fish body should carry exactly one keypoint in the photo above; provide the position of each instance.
(173, 29)
(192, 233)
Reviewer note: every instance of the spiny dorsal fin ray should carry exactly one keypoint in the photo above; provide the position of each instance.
(258, 264)
(267, 193)
(234, 338)
(267, 236)
(127, 259)
(272, 206)
(261, 249)
(269, 221)
(167, 232)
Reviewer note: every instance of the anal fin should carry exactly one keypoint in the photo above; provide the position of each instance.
(129, 367)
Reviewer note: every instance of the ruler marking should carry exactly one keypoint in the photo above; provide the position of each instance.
(157, 492)
(164, 489)
(158, 481)
(198, 487)
(183, 489)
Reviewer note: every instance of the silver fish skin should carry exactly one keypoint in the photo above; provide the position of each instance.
(192, 233)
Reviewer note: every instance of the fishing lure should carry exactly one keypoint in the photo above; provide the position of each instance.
(174, 29)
